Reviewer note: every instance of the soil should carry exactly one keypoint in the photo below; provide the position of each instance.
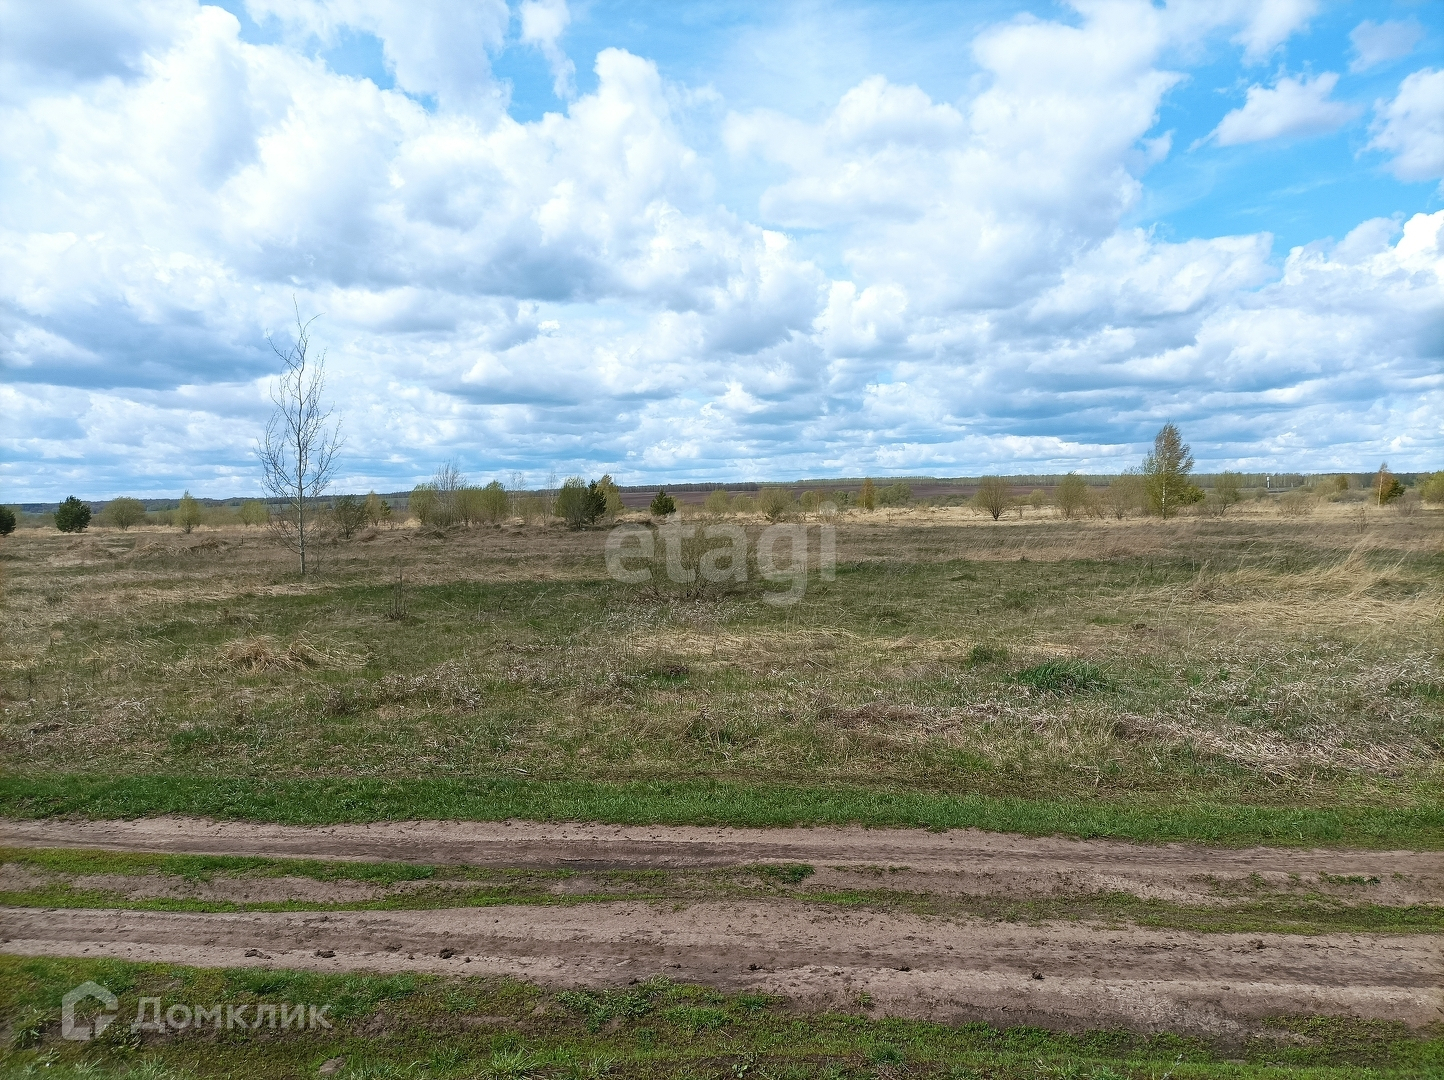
(962, 861)
(1062, 974)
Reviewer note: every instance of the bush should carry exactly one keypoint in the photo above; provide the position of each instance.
(719, 502)
(1072, 496)
(774, 502)
(992, 496)
(1431, 488)
(662, 504)
(122, 513)
(895, 495)
(188, 513)
(1296, 504)
(349, 514)
(1124, 495)
(867, 495)
(1226, 490)
(72, 515)
(580, 504)
(1064, 677)
(611, 494)
(254, 512)
(7, 521)
(424, 505)
(493, 505)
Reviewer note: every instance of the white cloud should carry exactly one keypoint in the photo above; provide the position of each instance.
(574, 291)
(1378, 43)
(1271, 23)
(542, 24)
(1291, 108)
(1411, 127)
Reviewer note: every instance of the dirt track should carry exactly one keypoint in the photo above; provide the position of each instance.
(819, 957)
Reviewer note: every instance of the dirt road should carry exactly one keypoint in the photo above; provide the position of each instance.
(1062, 974)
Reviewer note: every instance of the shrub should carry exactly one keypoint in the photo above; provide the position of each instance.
(1038, 499)
(1064, 677)
(1386, 486)
(612, 494)
(992, 496)
(1226, 490)
(122, 513)
(1296, 504)
(349, 513)
(774, 502)
(72, 515)
(810, 501)
(188, 513)
(493, 505)
(424, 504)
(580, 504)
(1431, 488)
(662, 504)
(1072, 496)
(1124, 495)
(867, 495)
(895, 495)
(719, 502)
(254, 512)
(7, 521)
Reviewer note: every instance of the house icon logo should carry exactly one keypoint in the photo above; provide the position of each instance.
(69, 1029)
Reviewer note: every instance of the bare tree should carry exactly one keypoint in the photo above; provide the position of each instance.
(298, 453)
(993, 496)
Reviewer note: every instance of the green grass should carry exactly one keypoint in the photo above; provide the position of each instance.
(693, 802)
(424, 1026)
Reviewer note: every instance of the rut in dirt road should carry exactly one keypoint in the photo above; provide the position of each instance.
(960, 861)
(1064, 975)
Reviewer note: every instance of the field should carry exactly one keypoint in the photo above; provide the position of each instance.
(1262, 694)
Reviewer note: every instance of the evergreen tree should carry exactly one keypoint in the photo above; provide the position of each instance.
(72, 515)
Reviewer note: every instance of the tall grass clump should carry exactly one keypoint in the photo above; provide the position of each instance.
(1064, 677)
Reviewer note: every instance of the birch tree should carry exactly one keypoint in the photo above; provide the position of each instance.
(298, 452)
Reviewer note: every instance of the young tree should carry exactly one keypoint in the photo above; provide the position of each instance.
(378, 510)
(662, 504)
(1226, 489)
(1386, 485)
(612, 494)
(1431, 489)
(718, 503)
(254, 512)
(188, 513)
(7, 521)
(492, 503)
(1072, 495)
(72, 515)
(1038, 498)
(774, 502)
(349, 514)
(1123, 495)
(1165, 474)
(867, 494)
(992, 496)
(122, 513)
(580, 504)
(298, 453)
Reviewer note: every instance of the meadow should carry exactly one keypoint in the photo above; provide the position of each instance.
(1241, 678)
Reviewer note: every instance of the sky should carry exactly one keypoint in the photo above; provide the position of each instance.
(719, 241)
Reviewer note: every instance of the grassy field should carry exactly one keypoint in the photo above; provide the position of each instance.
(419, 1026)
(1252, 678)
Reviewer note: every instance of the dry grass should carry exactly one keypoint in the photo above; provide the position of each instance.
(1255, 656)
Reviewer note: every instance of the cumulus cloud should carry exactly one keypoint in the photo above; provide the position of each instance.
(1378, 43)
(573, 292)
(1411, 127)
(1291, 108)
(542, 24)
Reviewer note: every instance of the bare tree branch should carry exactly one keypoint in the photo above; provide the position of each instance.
(298, 452)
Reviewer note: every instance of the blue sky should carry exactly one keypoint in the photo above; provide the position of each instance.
(721, 240)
